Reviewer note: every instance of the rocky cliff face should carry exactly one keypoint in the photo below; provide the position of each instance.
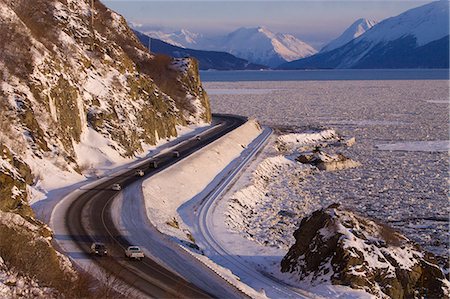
(66, 69)
(340, 247)
(73, 74)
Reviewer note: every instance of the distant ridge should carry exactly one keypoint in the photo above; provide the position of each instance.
(417, 38)
(258, 45)
(207, 59)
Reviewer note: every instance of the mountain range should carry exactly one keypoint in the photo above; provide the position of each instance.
(417, 38)
(258, 45)
(207, 60)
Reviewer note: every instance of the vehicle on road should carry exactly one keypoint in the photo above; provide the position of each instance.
(153, 164)
(176, 154)
(134, 252)
(198, 137)
(99, 249)
(116, 187)
(140, 172)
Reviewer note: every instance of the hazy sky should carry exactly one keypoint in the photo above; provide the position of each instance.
(315, 22)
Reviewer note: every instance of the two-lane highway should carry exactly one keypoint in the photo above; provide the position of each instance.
(89, 219)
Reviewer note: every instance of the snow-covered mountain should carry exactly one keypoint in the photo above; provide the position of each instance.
(207, 60)
(417, 38)
(356, 29)
(258, 45)
(182, 38)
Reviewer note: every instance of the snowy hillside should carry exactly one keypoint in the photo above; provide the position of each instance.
(356, 29)
(425, 23)
(182, 38)
(207, 60)
(262, 46)
(75, 93)
(417, 38)
(83, 86)
(258, 45)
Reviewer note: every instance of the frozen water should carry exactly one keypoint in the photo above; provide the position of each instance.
(240, 91)
(406, 189)
(417, 146)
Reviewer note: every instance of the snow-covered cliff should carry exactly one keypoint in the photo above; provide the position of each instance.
(77, 87)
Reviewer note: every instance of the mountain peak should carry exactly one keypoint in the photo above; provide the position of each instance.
(416, 38)
(355, 30)
(263, 46)
(425, 23)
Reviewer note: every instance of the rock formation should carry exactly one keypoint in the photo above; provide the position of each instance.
(340, 247)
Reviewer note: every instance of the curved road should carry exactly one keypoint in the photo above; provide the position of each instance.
(90, 212)
(239, 266)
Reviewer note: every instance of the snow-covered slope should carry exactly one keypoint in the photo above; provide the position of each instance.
(182, 38)
(62, 79)
(356, 29)
(417, 38)
(262, 46)
(258, 45)
(207, 60)
(336, 245)
(425, 23)
(74, 92)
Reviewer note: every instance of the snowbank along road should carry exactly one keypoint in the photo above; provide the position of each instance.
(88, 218)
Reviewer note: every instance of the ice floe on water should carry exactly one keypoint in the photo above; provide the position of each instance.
(405, 189)
(416, 146)
(439, 101)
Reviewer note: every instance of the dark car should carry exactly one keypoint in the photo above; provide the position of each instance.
(99, 249)
(153, 164)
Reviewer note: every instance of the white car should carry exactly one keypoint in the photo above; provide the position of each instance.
(139, 172)
(134, 252)
(116, 187)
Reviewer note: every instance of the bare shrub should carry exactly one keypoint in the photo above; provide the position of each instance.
(173, 223)
(32, 257)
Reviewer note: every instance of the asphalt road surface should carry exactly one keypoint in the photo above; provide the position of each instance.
(90, 213)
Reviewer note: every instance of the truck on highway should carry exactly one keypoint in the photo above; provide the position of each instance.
(134, 252)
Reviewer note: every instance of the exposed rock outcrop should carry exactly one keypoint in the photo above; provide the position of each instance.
(66, 68)
(327, 162)
(69, 71)
(340, 247)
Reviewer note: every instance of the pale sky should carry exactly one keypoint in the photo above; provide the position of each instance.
(315, 22)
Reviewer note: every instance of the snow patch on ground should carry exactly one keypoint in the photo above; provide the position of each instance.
(267, 209)
(258, 208)
(228, 276)
(167, 192)
(14, 285)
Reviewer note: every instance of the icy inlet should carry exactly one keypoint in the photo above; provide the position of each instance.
(406, 189)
